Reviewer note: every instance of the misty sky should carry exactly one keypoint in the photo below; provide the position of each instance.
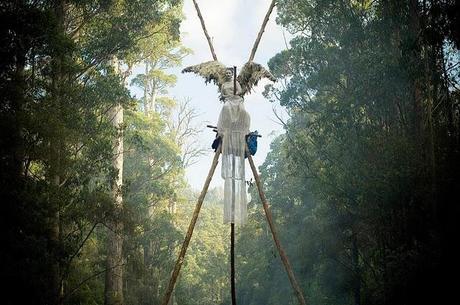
(233, 26)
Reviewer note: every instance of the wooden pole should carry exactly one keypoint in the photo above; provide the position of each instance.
(281, 252)
(188, 236)
(261, 31)
(204, 30)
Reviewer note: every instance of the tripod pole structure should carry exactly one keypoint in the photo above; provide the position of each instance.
(281, 252)
(198, 12)
(188, 236)
(262, 29)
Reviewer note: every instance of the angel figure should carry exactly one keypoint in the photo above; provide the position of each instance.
(233, 126)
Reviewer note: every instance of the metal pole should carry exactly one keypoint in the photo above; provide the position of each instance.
(232, 225)
(232, 262)
(234, 80)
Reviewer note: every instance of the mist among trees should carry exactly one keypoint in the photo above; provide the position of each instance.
(362, 183)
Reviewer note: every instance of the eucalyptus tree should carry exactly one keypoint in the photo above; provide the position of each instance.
(371, 105)
(60, 85)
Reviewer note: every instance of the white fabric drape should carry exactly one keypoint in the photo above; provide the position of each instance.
(233, 126)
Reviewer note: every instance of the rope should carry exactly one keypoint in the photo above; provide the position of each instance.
(204, 30)
(262, 29)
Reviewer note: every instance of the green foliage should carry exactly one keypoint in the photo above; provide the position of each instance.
(362, 185)
(205, 275)
(59, 79)
(365, 143)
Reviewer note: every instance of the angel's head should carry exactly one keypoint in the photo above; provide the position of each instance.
(228, 74)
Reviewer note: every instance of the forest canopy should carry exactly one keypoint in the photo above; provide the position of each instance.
(362, 183)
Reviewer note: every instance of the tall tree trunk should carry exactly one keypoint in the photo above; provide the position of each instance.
(146, 88)
(414, 32)
(430, 68)
(356, 270)
(172, 211)
(114, 274)
(422, 56)
(153, 98)
(56, 145)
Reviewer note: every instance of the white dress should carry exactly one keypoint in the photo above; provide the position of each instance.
(233, 126)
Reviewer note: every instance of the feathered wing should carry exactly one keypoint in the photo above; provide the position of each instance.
(251, 74)
(212, 71)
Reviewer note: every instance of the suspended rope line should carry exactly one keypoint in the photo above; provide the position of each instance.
(262, 29)
(204, 30)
